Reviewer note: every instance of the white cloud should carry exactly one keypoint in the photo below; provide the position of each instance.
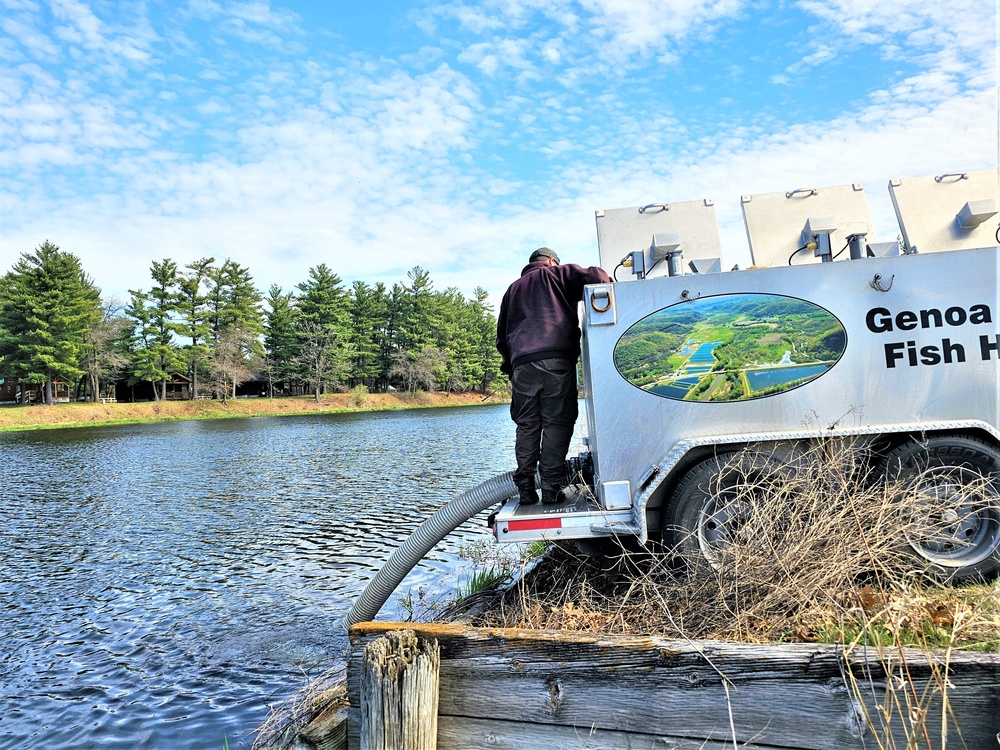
(480, 55)
(497, 56)
(595, 33)
(84, 27)
(27, 37)
(214, 107)
(429, 112)
(552, 53)
(634, 26)
(373, 165)
(109, 47)
(946, 30)
(206, 9)
(477, 20)
(325, 199)
(823, 54)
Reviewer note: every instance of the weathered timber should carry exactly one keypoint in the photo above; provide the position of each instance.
(328, 731)
(508, 688)
(399, 693)
(487, 734)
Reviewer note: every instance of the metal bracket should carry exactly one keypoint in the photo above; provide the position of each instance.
(879, 285)
(600, 305)
(600, 294)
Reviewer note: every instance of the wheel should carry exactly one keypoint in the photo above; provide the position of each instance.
(952, 501)
(711, 504)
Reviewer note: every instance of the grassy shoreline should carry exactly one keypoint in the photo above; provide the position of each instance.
(66, 415)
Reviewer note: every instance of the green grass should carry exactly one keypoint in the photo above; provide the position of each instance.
(488, 565)
(481, 579)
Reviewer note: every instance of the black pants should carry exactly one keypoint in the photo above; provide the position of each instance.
(544, 408)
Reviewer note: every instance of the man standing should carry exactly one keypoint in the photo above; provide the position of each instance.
(538, 336)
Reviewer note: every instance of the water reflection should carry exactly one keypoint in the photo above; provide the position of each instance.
(162, 585)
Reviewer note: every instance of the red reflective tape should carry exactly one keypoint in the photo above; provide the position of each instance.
(541, 523)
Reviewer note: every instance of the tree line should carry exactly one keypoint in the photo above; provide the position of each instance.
(208, 321)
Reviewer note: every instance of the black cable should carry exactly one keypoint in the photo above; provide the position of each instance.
(614, 274)
(804, 247)
(840, 251)
(998, 234)
(650, 271)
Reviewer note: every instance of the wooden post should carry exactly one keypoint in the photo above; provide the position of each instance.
(399, 692)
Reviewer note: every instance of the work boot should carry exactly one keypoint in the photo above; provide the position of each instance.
(551, 497)
(527, 496)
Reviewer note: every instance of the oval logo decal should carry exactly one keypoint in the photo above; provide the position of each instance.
(731, 347)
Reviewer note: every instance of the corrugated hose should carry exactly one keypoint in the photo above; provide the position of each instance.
(445, 520)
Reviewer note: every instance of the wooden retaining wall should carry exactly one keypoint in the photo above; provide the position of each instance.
(533, 690)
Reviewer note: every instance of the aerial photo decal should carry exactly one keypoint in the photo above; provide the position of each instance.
(731, 347)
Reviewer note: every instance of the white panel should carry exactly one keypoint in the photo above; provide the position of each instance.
(621, 231)
(775, 222)
(928, 209)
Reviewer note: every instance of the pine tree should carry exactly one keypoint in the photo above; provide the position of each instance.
(324, 314)
(281, 345)
(232, 299)
(487, 358)
(192, 309)
(369, 328)
(154, 352)
(243, 301)
(48, 306)
(419, 316)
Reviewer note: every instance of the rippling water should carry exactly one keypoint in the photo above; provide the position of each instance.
(161, 586)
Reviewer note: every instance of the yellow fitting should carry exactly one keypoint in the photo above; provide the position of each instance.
(627, 263)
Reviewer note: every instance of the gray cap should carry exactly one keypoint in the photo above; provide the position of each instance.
(543, 252)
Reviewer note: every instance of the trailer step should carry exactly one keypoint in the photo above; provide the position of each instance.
(568, 520)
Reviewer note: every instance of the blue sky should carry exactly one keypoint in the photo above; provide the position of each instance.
(459, 136)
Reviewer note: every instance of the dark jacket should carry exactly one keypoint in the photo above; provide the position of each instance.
(538, 316)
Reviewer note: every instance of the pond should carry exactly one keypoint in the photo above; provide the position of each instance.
(705, 352)
(676, 389)
(164, 585)
(771, 376)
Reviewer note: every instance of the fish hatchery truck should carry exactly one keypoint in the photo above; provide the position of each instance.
(829, 333)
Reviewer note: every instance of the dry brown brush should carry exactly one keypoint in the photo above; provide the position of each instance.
(280, 731)
(817, 550)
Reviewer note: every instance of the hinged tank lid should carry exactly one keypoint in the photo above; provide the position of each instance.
(777, 222)
(953, 211)
(621, 231)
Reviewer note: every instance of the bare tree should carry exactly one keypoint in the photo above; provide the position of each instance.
(322, 358)
(268, 367)
(103, 358)
(417, 369)
(232, 360)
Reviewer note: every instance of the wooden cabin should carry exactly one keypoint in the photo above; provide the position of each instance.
(14, 391)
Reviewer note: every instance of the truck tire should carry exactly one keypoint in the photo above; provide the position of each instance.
(955, 484)
(706, 509)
